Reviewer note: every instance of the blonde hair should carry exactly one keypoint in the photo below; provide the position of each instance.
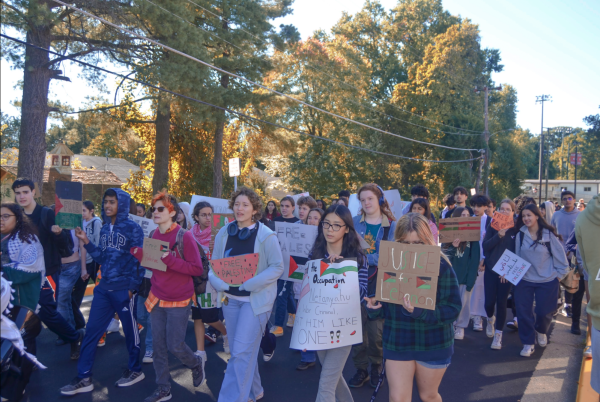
(375, 189)
(413, 222)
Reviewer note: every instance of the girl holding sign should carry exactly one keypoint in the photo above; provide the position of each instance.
(418, 342)
(337, 239)
(246, 308)
(538, 243)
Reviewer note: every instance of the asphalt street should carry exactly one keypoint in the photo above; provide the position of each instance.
(477, 373)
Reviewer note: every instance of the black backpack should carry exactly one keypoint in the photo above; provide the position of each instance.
(547, 244)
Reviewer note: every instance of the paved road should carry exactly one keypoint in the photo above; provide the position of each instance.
(477, 373)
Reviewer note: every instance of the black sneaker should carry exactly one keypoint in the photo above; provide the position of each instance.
(162, 393)
(60, 342)
(129, 378)
(76, 346)
(210, 337)
(359, 379)
(77, 386)
(575, 328)
(375, 374)
(569, 311)
(304, 365)
(198, 375)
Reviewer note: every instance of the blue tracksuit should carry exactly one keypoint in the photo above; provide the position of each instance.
(121, 273)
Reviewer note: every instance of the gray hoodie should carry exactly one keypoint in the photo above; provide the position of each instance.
(544, 267)
(564, 222)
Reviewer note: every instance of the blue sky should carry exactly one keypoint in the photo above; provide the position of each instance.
(547, 47)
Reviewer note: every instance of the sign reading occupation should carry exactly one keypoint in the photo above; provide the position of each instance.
(501, 221)
(68, 204)
(328, 314)
(465, 229)
(235, 270)
(153, 250)
(411, 269)
(146, 224)
(511, 266)
(296, 242)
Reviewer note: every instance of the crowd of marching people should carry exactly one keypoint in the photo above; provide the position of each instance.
(49, 269)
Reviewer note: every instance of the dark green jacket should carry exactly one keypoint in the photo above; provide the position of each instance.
(465, 263)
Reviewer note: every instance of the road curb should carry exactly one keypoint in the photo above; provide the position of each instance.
(585, 393)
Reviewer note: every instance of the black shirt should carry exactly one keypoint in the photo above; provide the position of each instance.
(288, 220)
(48, 240)
(235, 247)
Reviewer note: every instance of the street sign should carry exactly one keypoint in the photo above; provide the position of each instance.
(572, 160)
(234, 167)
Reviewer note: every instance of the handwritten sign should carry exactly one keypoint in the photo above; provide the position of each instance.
(218, 221)
(408, 269)
(511, 266)
(465, 229)
(392, 197)
(501, 221)
(153, 250)
(296, 242)
(220, 206)
(146, 224)
(328, 314)
(235, 270)
(68, 204)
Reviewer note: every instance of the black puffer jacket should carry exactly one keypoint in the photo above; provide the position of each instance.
(494, 245)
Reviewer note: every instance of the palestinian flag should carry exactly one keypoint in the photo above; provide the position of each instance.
(423, 282)
(68, 204)
(389, 277)
(458, 225)
(337, 268)
(295, 262)
(164, 248)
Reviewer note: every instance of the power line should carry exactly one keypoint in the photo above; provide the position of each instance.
(233, 111)
(257, 84)
(105, 108)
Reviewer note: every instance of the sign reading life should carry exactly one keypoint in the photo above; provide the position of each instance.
(411, 269)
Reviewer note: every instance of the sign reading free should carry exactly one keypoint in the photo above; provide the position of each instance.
(408, 269)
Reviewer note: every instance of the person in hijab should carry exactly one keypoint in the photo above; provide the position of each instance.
(547, 210)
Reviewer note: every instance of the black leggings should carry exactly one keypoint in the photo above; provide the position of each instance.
(496, 294)
(577, 300)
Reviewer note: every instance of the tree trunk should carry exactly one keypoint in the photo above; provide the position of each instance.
(161, 155)
(34, 109)
(218, 151)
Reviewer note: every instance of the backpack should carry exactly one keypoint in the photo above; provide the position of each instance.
(65, 248)
(547, 244)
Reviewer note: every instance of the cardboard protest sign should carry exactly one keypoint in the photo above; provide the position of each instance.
(218, 221)
(501, 221)
(465, 229)
(146, 224)
(68, 204)
(295, 241)
(392, 196)
(511, 266)
(328, 314)
(153, 250)
(220, 206)
(236, 270)
(411, 269)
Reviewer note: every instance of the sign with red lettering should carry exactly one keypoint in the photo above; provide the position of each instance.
(153, 251)
(235, 270)
(579, 157)
(501, 221)
(408, 269)
(465, 229)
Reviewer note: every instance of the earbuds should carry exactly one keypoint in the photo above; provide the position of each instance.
(243, 234)
(382, 199)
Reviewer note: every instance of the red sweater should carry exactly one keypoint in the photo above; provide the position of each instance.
(175, 284)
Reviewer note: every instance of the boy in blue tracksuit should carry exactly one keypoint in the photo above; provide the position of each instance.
(121, 278)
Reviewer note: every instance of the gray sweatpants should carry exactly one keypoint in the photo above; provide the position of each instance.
(332, 386)
(465, 313)
(169, 326)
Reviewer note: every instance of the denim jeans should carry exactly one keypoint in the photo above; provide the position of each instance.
(144, 318)
(245, 330)
(310, 356)
(69, 274)
(285, 302)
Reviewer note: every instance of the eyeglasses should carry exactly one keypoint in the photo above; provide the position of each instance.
(159, 209)
(6, 217)
(205, 216)
(412, 242)
(335, 226)
(567, 199)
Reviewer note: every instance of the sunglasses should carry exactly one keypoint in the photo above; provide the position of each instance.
(159, 209)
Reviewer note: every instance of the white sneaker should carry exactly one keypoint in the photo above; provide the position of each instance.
(148, 357)
(497, 343)
(226, 345)
(203, 357)
(489, 328)
(113, 326)
(459, 333)
(514, 324)
(527, 350)
(587, 352)
(542, 339)
(477, 323)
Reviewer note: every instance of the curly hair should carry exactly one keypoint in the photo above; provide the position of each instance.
(24, 229)
(254, 199)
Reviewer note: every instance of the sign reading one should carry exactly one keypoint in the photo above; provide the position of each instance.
(579, 157)
(235, 270)
(296, 242)
(465, 229)
(234, 167)
(501, 221)
(408, 269)
(153, 250)
(68, 204)
(511, 266)
(328, 314)
(146, 224)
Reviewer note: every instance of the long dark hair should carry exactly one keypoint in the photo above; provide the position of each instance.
(351, 246)
(90, 206)
(25, 230)
(424, 204)
(542, 224)
(275, 210)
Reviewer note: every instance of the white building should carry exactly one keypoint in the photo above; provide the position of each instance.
(586, 189)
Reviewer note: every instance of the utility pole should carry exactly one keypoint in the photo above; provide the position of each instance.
(547, 161)
(541, 99)
(486, 137)
(576, 163)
